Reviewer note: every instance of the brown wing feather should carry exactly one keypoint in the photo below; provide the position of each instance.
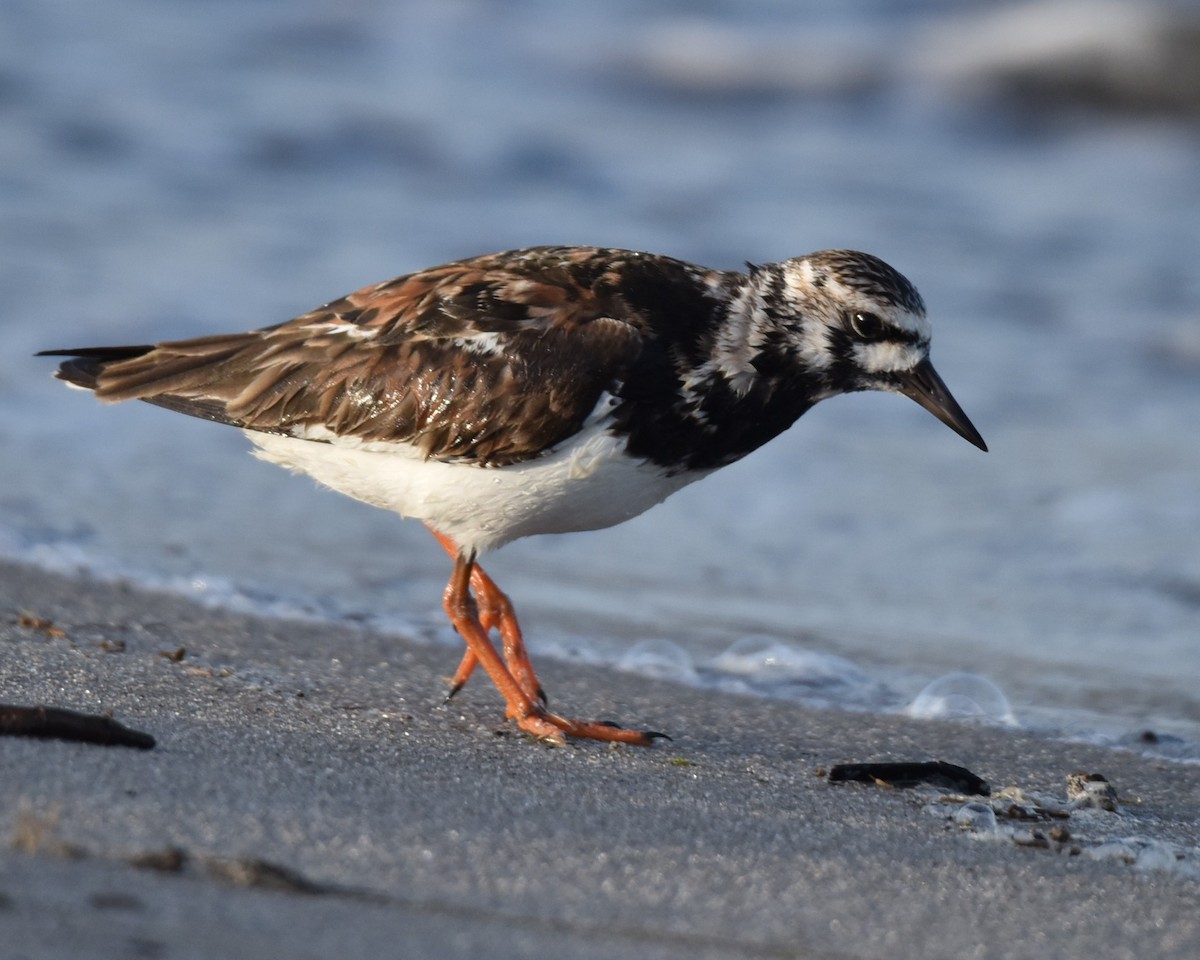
(490, 360)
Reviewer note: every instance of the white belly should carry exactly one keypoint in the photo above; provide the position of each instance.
(586, 484)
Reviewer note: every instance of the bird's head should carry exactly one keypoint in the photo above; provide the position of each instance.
(857, 324)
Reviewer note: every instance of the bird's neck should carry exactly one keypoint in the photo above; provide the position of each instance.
(734, 383)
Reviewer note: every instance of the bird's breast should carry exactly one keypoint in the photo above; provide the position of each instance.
(588, 482)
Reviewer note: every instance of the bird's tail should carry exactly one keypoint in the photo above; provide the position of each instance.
(86, 363)
(185, 376)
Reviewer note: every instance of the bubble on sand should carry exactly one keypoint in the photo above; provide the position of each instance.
(1138, 852)
(762, 657)
(661, 659)
(976, 816)
(767, 666)
(962, 696)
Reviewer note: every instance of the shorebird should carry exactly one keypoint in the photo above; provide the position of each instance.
(544, 390)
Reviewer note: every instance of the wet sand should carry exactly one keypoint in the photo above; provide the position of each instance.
(309, 796)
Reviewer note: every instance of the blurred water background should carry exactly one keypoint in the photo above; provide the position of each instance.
(171, 170)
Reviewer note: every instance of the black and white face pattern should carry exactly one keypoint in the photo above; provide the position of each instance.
(855, 322)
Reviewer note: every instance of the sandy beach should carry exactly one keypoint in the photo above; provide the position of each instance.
(309, 796)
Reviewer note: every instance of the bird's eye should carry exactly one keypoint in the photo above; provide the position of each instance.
(866, 326)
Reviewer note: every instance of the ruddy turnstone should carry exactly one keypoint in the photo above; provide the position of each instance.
(541, 391)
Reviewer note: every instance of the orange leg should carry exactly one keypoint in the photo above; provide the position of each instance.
(495, 605)
(530, 715)
(495, 611)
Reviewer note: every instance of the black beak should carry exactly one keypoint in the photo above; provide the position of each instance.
(923, 384)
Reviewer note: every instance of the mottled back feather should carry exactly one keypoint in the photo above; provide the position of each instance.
(415, 359)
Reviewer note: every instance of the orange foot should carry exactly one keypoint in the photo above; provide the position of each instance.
(473, 617)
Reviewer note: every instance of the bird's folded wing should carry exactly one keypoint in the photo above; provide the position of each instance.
(484, 360)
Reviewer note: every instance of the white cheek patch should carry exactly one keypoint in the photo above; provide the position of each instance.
(887, 356)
